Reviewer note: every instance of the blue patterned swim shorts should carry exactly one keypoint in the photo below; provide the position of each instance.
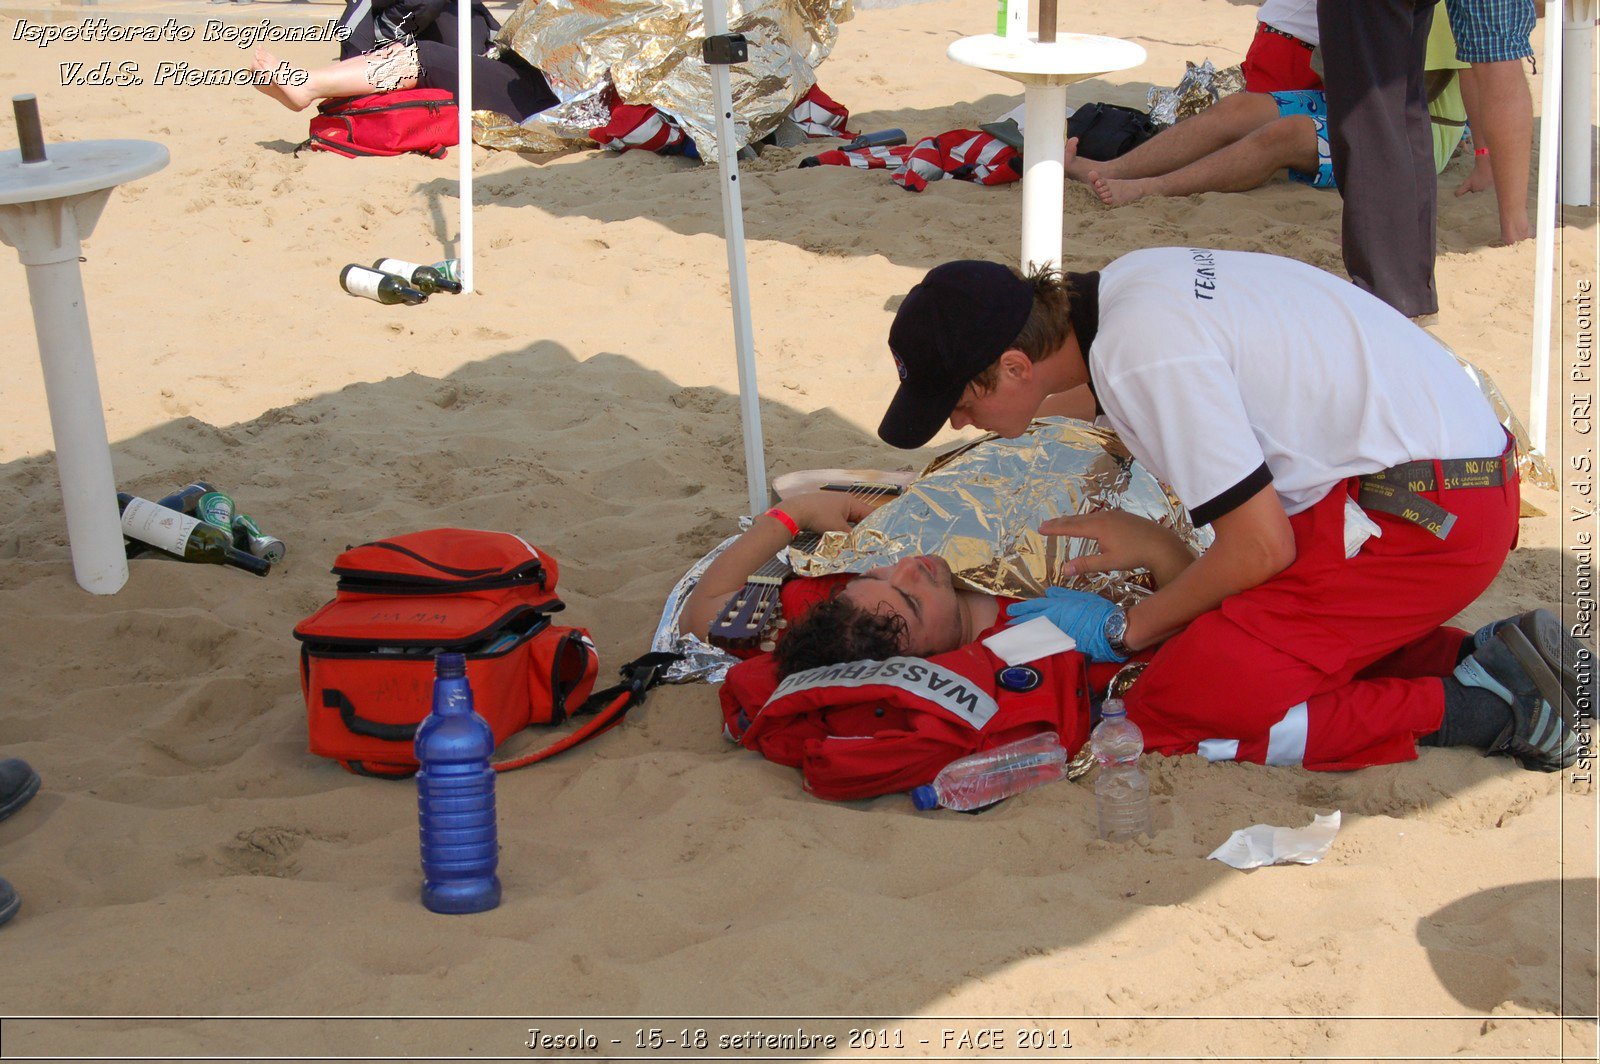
(1313, 103)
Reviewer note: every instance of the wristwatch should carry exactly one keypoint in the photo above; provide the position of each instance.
(1116, 627)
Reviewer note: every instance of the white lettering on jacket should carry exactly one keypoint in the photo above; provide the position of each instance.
(948, 690)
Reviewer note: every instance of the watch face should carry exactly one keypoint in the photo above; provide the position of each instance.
(1116, 626)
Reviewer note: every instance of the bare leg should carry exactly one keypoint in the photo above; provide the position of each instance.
(1244, 164)
(1482, 176)
(1504, 119)
(1219, 125)
(299, 89)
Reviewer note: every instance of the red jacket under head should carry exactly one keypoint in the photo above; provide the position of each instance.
(867, 728)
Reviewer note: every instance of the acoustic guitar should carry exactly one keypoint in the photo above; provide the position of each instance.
(753, 616)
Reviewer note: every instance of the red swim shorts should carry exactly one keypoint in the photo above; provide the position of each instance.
(1277, 62)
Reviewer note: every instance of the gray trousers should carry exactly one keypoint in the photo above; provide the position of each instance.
(1382, 141)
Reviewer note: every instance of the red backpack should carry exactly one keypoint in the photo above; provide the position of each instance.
(366, 658)
(386, 123)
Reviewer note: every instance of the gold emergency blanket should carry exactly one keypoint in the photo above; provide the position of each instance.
(650, 51)
(980, 509)
(1531, 465)
(1200, 87)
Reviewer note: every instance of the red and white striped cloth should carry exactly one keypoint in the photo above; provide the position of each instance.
(640, 126)
(820, 115)
(874, 158)
(964, 154)
(633, 126)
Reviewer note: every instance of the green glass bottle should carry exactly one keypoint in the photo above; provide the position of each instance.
(429, 279)
(379, 286)
(183, 500)
(183, 536)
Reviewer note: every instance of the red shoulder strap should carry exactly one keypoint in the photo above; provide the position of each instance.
(608, 706)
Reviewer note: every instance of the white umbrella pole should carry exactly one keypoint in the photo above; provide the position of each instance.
(1545, 235)
(49, 203)
(1577, 103)
(755, 464)
(1043, 174)
(464, 138)
(72, 389)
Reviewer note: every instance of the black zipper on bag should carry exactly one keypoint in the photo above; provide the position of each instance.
(404, 105)
(364, 582)
(368, 581)
(344, 148)
(361, 647)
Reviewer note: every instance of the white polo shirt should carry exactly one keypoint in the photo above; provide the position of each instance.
(1298, 17)
(1224, 371)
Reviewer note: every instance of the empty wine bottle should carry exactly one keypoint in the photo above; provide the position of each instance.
(247, 536)
(182, 536)
(183, 500)
(379, 286)
(429, 279)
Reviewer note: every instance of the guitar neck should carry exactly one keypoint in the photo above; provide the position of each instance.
(751, 617)
(777, 570)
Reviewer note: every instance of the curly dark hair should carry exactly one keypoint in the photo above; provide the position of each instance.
(836, 631)
(1048, 325)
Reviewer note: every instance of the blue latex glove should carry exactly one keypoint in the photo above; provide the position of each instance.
(1077, 613)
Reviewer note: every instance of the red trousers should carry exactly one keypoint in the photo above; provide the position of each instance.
(1334, 663)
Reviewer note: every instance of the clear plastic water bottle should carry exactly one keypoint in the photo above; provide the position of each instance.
(455, 798)
(1121, 791)
(986, 777)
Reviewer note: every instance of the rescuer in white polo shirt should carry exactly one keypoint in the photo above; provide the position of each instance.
(1360, 489)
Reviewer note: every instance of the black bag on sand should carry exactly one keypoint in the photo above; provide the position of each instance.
(1107, 130)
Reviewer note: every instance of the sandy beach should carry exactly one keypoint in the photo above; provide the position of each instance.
(187, 858)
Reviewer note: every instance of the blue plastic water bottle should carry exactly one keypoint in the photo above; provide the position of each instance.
(455, 798)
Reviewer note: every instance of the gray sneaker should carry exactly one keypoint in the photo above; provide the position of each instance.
(10, 902)
(1540, 734)
(1569, 659)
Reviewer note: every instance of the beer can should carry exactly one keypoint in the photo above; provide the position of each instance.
(450, 269)
(248, 536)
(215, 508)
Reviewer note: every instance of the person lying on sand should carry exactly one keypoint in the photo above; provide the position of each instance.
(1359, 487)
(911, 607)
(423, 55)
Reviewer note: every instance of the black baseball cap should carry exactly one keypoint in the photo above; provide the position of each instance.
(950, 328)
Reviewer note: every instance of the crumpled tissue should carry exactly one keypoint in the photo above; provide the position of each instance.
(1263, 844)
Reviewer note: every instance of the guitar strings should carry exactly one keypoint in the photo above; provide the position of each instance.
(765, 594)
(769, 593)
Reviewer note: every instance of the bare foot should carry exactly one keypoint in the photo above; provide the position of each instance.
(1114, 192)
(280, 81)
(1077, 169)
